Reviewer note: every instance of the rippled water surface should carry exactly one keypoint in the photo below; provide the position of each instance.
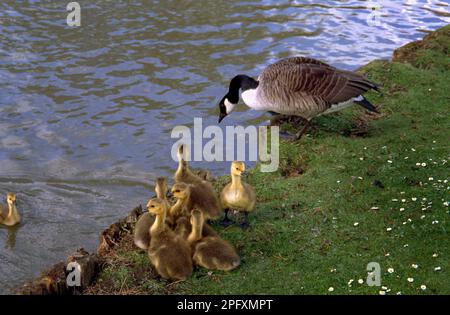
(86, 113)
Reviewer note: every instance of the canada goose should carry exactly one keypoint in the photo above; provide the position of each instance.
(170, 254)
(238, 195)
(145, 221)
(183, 172)
(210, 252)
(199, 196)
(298, 86)
(9, 215)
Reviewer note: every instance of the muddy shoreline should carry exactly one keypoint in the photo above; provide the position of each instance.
(54, 280)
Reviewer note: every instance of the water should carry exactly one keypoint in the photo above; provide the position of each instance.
(86, 113)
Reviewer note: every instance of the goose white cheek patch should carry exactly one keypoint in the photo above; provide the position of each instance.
(229, 106)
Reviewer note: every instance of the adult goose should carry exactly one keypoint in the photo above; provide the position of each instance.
(299, 86)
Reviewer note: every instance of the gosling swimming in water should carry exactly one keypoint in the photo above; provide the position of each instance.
(9, 215)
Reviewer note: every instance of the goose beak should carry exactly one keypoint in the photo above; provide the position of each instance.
(222, 116)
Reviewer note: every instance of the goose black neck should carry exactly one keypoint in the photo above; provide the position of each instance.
(243, 82)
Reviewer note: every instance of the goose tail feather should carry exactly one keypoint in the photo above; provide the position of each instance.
(362, 101)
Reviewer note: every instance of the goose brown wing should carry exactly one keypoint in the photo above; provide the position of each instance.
(311, 79)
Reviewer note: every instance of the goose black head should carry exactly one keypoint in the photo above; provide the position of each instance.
(226, 106)
(231, 99)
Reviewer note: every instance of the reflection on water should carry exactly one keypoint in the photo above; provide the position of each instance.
(86, 113)
(11, 238)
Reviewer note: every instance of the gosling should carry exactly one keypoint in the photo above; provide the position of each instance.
(183, 228)
(141, 230)
(9, 215)
(238, 195)
(199, 196)
(210, 252)
(169, 253)
(183, 172)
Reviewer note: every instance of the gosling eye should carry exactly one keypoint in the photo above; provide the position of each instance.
(177, 191)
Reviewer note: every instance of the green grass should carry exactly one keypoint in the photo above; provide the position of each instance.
(304, 237)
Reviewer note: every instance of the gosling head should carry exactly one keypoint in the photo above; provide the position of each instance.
(161, 187)
(180, 191)
(11, 199)
(182, 153)
(156, 206)
(237, 168)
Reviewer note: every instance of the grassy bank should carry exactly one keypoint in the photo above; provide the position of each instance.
(360, 188)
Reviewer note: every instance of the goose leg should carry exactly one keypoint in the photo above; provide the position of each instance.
(245, 224)
(299, 134)
(277, 119)
(296, 120)
(226, 221)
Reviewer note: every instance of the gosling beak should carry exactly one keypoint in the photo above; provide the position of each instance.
(244, 173)
(169, 194)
